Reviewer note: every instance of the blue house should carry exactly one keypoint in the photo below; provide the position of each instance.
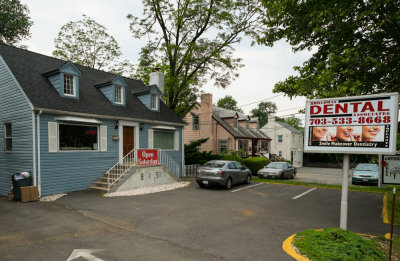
(69, 124)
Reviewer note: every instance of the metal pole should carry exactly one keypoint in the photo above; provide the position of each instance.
(380, 158)
(391, 224)
(345, 192)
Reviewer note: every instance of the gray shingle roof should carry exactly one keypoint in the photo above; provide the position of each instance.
(29, 67)
(240, 132)
(289, 127)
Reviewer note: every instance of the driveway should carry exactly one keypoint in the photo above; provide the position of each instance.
(321, 175)
(249, 222)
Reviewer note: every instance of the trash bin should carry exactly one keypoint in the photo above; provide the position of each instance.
(18, 180)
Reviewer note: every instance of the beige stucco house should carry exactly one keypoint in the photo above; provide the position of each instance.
(225, 129)
(287, 141)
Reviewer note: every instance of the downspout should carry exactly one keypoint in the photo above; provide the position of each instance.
(183, 154)
(216, 137)
(34, 148)
(38, 154)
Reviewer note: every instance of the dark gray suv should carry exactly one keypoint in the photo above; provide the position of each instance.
(222, 172)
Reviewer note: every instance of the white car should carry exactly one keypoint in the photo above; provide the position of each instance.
(280, 170)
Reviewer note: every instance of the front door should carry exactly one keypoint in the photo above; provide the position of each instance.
(128, 140)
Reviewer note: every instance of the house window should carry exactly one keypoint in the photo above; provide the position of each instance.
(163, 140)
(235, 123)
(196, 122)
(78, 137)
(243, 145)
(8, 137)
(118, 94)
(280, 138)
(264, 145)
(222, 145)
(258, 125)
(69, 85)
(247, 125)
(280, 153)
(154, 101)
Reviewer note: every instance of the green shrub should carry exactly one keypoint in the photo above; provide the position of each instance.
(337, 245)
(256, 163)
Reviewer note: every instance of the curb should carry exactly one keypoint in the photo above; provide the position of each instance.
(288, 248)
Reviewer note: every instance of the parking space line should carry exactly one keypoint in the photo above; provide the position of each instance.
(302, 194)
(246, 187)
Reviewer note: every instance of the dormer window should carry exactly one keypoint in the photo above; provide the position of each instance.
(154, 101)
(69, 85)
(118, 94)
(247, 125)
(235, 123)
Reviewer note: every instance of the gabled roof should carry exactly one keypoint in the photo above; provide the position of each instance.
(288, 127)
(29, 67)
(240, 132)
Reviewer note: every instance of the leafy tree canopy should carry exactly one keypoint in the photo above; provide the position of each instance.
(292, 121)
(356, 45)
(87, 42)
(14, 22)
(263, 110)
(192, 41)
(228, 102)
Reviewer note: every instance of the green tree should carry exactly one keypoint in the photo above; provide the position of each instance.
(356, 45)
(14, 22)
(87, 43)
(228, 102)
(193, 41)
(263, 110)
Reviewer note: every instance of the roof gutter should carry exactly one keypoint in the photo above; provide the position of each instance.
(52, 111)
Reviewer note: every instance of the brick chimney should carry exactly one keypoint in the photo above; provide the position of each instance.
(206, 129)
(157, 78)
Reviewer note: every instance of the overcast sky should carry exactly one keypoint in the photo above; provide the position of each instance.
(264, 66)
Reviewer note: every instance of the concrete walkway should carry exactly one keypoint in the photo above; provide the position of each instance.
(321, 175)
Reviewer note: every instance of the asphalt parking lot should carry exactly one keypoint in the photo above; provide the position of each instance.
(249, 222)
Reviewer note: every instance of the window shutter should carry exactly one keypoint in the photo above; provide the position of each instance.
(176, 140)
(52, 129)
(150, 144)
(103, 138)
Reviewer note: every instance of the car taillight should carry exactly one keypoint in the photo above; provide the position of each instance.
(221, 172)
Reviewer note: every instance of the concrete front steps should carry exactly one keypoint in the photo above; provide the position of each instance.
(137, 177)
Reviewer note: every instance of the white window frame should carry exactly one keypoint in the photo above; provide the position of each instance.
(118, 92)
(7, 136)
(235, 123)
(153, 101)
(280, 154)
(196, 126)
(280, 138)
(76, 124)
(173, 138)
(219, 146)
(73, 85)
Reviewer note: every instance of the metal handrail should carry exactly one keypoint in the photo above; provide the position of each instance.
(169, 163)
(120, 168)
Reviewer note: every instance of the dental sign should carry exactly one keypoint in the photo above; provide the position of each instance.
(360, 125)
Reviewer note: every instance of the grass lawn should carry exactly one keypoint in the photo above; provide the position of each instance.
(337, 244)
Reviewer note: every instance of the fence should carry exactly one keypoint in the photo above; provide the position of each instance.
(191, 170)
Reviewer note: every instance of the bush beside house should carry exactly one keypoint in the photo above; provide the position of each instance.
(256, 163)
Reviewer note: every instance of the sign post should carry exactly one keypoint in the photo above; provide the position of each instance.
(345, 191)
(351, 125)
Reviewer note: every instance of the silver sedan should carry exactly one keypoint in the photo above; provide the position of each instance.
(280, 170)
(222, 172)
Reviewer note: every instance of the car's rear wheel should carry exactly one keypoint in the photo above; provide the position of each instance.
(228, 184)
(248, 180)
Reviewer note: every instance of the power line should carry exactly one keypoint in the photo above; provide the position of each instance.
(260, 100)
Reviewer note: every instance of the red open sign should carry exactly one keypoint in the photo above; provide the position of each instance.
(147, 157)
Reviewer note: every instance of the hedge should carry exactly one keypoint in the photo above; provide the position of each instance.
(256, 163)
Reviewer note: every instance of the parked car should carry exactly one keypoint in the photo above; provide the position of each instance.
(365, 173)
(222, 172)
(280, 170)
